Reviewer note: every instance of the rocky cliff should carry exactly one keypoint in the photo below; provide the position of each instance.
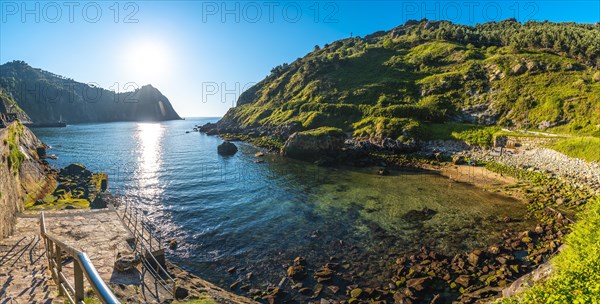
(47, 97)
(23, 174)
(9, 105)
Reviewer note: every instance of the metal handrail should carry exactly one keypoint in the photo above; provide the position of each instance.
(164, 279)
(83, 266)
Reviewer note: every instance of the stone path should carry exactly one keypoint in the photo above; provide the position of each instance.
(24, 277)
(99, 234)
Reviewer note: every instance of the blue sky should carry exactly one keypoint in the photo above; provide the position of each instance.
(202, 54)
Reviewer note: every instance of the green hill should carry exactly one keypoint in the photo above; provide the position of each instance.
(395, 84)
(47, 97)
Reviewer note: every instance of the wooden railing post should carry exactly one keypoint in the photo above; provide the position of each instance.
(58, 265)
(58, 255)
(79, 294)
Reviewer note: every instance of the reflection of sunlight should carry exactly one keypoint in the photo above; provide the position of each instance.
(149, 139)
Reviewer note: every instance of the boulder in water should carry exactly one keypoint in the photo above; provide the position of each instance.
(383, 171)
(227, 148)
(296, 272)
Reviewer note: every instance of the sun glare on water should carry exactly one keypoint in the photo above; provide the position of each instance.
(149, 138)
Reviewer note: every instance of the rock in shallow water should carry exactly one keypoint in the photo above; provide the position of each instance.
(314, 144)
(419, 215)
(296, 272)
(227, 148)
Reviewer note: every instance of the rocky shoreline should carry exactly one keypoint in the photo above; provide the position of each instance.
(427, 276)
(547, 181)
(577, 171)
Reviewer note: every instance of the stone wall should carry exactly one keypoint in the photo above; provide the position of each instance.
(30, 181)
(523, 142)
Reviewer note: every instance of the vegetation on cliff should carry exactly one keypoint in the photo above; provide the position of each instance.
(323, 131)
(47, 97)
(23, 175)
(394, 84)
(8, 104)
(15, 156)
(587, 148)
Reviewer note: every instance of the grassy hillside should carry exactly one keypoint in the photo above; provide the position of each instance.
(395, 84)
(587, 148)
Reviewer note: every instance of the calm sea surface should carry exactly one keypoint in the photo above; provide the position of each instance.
(232, 212)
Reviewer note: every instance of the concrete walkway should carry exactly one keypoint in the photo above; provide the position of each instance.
(99, 233)
(24, 277)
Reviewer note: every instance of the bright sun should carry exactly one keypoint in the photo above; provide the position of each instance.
(147, 62)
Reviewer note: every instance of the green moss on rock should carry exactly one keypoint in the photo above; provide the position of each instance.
(15, 157)
(314, 144)
(323, 131)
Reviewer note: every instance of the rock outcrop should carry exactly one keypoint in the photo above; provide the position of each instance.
(9, 105)
(227, 148)
(126, 261)
(396, 102)
(313, 144)
(527, 281)
(23, 175)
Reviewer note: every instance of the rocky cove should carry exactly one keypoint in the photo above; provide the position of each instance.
(416, 164)
(326, 265)
(551, 185)
(354, 226)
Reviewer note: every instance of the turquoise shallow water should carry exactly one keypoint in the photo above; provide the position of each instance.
(231, 211)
